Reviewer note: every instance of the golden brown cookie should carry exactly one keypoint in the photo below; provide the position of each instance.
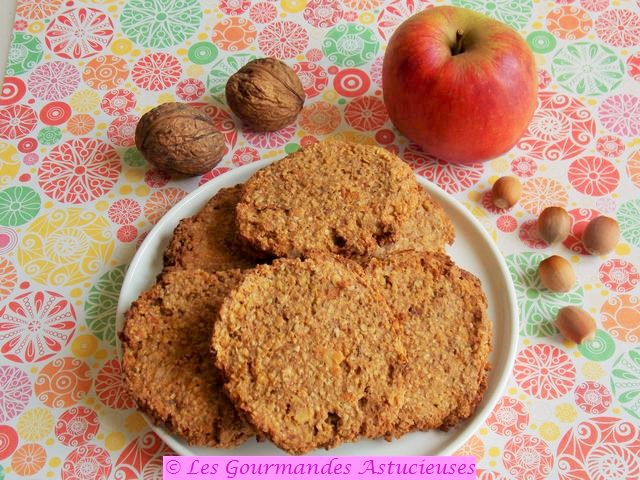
(343, 198)
(208, 240)
(447, 336)
(167, 361)
(310, 353)
(428, 229)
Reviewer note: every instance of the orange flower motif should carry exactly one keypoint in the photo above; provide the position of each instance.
(320, 118)
(105, 72)
(621, 317)
(569, 22)
(63, 382)
(28, 459)
(36, 10)
(540, 193)
(633, 168)
(472, 448)
(80, 124)
(8, 278)
(161, 201)
(233, 34)
(362, 4)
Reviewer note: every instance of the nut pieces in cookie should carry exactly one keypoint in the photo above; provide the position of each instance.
(179, 138)
(266, 94)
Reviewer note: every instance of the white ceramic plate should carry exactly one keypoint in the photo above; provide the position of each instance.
(473, 250)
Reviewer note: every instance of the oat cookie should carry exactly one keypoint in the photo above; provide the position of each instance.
(208, 240)
(343, 198)
(167, 361)
(428, 229)
(447, 336)
(310, 353)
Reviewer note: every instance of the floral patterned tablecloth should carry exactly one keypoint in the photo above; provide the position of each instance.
(76, 199)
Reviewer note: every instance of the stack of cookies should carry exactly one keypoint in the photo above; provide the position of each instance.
(313, 305)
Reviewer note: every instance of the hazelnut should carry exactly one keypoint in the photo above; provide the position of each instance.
(554, 224)
(601, 235)
(178, 138)
(266, 94)
(556, 274)
(575, 324)
(506, 192)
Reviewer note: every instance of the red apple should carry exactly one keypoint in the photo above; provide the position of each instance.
(460, 84)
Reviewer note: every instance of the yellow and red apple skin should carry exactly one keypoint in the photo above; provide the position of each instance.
(464, 108)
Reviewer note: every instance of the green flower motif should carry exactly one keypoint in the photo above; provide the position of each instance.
(1, 472)
(101, 304)
(24, 54)
(202, 53)
(541, 42)
(600, 348)
(134, 158)
(160, 23)
(629, 218)
(222, 70)
(18, 205)
(49, 135)
(514, 12)
(350, 45)
(538, 306)
(587, 68)
(625, 381)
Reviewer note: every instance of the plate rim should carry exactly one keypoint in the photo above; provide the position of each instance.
(211, 187)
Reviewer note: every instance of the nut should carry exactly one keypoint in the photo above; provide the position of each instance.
(557, 274)
(601, 235)
(178, 138)
(554, 224)
(266, 94)
(575, 324)
(506, 192)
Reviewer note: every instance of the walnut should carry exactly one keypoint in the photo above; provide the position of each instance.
(178, 138)
(266, 94)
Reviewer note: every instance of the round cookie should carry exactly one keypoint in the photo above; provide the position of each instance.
(208, 240)
(167, 361)
(343, 198)
(310, 353)
(447, 336)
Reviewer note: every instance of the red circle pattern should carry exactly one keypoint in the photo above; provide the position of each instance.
(79, 171)
(88, 462)
(509, 417)
(36, 326)
(600, 448)
(544, 371)
(593, 398)
(77, 426)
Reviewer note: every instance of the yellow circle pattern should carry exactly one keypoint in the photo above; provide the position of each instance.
(66, 246)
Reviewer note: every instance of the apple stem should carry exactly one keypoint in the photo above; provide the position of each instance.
(458, 46)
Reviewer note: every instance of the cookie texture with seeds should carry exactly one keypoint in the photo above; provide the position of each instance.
(310, 353)
(342, 198)
(209, 240)
(167, 362)
(446, 334)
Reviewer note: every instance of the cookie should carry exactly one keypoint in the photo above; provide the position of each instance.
(167, 362)
(208, 240)
(446, 334)
(310, 353)
(343, 198)
(428, 229)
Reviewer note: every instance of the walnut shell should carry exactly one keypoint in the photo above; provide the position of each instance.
(178, 138)
(266, 94)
